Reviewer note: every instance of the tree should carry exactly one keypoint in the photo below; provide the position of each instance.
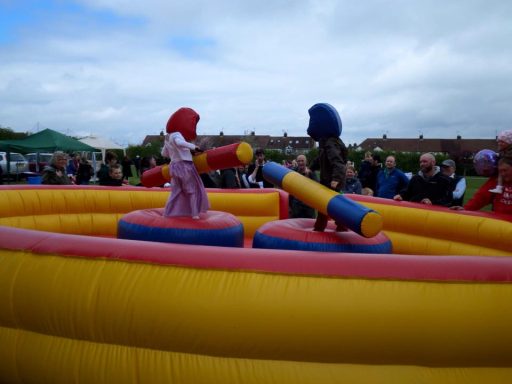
(7, 133)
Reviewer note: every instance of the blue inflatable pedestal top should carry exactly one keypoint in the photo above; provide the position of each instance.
(298, 234)
(212, 228)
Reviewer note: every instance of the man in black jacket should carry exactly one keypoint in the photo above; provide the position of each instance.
(429, 186)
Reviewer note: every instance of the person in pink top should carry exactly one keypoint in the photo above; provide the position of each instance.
(188, 196)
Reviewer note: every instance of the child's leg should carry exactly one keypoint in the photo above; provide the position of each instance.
(499, 187)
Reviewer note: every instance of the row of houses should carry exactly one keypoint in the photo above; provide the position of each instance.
(290, 145)
(458, 148)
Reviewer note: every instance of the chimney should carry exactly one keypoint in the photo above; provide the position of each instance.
(459, 137)
(253, 133)
(421, 136)
(221, 133)
(384, 136)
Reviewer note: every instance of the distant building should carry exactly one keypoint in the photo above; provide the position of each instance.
(290, 145)
(458, 148)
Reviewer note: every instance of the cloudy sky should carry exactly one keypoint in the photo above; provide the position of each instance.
(119, 68)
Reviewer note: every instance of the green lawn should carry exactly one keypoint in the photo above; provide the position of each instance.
(472, 184)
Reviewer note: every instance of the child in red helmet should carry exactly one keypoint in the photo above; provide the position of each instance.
(188, 196)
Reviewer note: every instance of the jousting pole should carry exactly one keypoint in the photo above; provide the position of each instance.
(228, 156)
(351, 214)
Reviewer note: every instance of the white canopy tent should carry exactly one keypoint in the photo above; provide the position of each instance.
(102, 144)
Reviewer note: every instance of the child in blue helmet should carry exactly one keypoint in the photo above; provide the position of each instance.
(325, 127)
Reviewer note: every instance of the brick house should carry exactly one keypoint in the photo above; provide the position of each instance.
(458, 149)
(290, 145)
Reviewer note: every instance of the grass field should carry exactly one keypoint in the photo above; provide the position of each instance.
(472, 184)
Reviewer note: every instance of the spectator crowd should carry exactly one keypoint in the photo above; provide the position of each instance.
(432, 184)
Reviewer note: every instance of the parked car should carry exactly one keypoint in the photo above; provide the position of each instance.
(18, 164)
(44, 159)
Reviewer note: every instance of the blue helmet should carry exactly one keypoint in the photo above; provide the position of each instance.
(324, 121)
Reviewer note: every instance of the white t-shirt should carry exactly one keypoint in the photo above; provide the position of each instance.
(177, 148)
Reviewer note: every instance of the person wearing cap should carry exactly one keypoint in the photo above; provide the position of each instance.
(255, 171)
(429, 186)
(504, 150)
(55, 173)
(390, 180)
(458, 182)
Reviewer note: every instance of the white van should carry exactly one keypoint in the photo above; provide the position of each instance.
(18, 163)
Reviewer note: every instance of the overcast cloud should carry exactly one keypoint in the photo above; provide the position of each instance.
(119, 68)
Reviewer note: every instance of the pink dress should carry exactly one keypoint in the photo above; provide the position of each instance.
(188, 196)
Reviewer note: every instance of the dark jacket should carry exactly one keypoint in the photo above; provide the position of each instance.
(352, 185)
(297, 208)
(455, 180)
(50, 176)
(437, 188)
(364, 172)
(84, 173)
(259, 175)
(109, 181)
(331, 161)
(229, 178)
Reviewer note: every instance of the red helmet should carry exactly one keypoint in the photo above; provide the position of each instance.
(184, 121)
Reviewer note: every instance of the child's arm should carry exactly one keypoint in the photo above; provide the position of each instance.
(482, 196)
(182, 143)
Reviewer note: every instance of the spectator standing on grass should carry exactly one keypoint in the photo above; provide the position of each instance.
(84, 172)
(127, 167)
(504, 150)
(365, 168)
(458, 182)
(110, 160)
(429, 186)
(115, 176)
(229, 178)
(255, 170)
(297, 208)
(501, 202)
(55, 172)
(352, 183)
(390, 180)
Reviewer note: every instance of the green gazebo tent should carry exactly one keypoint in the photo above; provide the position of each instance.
(47, 140)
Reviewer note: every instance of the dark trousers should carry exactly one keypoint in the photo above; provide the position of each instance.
(321, 219)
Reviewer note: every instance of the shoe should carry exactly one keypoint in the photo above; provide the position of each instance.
(196, 217)
(341, 228)
(498, 189)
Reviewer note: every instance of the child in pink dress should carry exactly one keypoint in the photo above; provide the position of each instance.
(188, 196)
